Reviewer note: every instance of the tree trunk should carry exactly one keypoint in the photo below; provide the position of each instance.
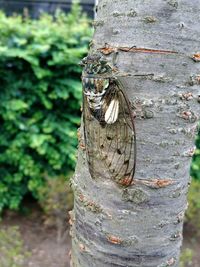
(141, 225)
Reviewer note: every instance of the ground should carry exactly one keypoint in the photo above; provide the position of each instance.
(192, 241)
(39, 239)
(46, 252)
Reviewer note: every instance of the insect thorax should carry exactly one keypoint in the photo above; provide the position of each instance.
(95, 90)
(96, 79)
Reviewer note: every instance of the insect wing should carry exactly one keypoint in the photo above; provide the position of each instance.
(111, 147)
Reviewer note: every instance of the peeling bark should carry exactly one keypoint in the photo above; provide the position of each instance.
(158, 44)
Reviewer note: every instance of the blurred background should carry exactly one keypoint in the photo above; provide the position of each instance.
(41, 44)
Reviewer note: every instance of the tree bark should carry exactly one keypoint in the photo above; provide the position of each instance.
(142, 225)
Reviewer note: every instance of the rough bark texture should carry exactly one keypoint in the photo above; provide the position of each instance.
(142, 225)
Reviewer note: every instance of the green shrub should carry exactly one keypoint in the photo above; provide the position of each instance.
(56, 199)
(186, 258)
(40, 98)
(195, 169)
(12, 250)
(193, 211)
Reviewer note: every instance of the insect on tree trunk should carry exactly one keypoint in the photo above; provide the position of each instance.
(141, 225)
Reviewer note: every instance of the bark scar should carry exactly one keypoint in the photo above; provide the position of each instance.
(89, 204)
(114, 239)
(196, 57)
(155, 183)
(107, 49)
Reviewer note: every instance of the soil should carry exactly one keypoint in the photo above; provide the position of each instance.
(192, 241)
(41, 240)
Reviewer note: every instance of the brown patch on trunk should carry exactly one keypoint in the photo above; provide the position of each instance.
(71, 217)
(171, 262)
(156, 183)
(147, 50)
(81, 197)
(186, 114)
(114, 239)
(82, 146)
(90, 205)
(79, 134)
(127, 180)
(106, 50)
(70, 254)
(196, 57)
(187, 96)
(82, 247)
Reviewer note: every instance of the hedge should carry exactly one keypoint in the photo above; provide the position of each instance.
(40, 98)
(195, 168)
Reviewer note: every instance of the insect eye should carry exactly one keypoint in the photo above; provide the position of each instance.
(83, 62)
(103, 61)
(96, 67)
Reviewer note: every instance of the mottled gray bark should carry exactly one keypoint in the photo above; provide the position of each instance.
(142, 225)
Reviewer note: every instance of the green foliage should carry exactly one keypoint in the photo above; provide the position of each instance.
(40, 98)
(193, 211)
(12, 250)
(56, 199)
(195, 169)
(186, 258)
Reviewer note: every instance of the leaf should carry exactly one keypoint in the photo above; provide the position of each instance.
(17, 104)
(38, 139)
(40, 99)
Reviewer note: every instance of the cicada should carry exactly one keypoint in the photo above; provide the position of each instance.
(109, 131)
